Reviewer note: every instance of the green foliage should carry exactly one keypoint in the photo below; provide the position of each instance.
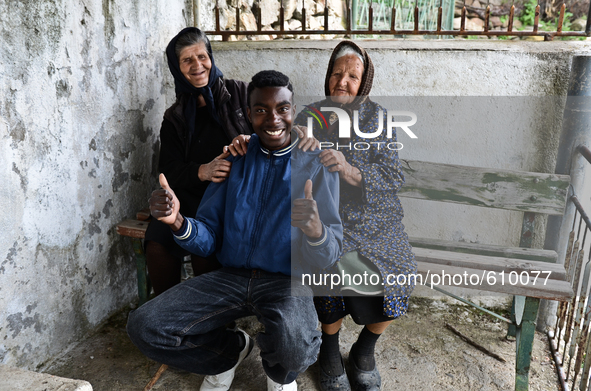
(528, 15)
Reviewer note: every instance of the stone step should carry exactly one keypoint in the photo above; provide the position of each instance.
(15, 379)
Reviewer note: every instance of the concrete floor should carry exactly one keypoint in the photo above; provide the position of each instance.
(417, 352)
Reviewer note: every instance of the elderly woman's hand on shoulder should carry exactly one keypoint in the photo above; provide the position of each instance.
(239, 145)
(217, 170)
(306, 143)
(336, 162)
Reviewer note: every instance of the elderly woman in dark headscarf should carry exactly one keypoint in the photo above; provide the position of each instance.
(209, 113)
(374, 237)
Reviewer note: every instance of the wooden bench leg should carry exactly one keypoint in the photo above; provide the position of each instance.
(143, 288)
(524, 343)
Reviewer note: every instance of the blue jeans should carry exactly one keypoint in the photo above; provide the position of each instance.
(185, 326)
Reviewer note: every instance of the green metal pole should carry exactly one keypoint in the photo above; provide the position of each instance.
(142, 275)
(527, 234)
(524, 344)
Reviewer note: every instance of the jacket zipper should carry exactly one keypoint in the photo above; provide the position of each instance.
(256, 233)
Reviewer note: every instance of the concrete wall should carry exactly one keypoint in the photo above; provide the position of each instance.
(84, 85)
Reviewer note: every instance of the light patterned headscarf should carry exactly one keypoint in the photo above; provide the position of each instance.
(366, 81)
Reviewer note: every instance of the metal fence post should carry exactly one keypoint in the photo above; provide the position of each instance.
(196, 10)
(575, 131)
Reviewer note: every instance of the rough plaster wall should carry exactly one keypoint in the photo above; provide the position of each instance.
(429, 68)
(84, 85)
(206, 14)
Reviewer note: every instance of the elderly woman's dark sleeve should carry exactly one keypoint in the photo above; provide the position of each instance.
(383, 173)
(180, 172)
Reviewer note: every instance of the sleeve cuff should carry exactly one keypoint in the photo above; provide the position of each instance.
(320, 241)
(184, 232)
(195, 174)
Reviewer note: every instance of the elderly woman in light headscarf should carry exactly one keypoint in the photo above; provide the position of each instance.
(374, 237)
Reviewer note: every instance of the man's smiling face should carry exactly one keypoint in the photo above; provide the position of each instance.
(271, 113)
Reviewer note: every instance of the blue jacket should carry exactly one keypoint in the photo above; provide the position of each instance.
(246, 219)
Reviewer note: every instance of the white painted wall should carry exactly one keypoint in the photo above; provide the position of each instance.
(84, 85)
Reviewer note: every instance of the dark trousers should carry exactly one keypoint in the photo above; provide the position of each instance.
(185, 326)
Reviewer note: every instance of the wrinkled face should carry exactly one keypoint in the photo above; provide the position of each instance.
(345, 79)
(195, 64)
(271, 113)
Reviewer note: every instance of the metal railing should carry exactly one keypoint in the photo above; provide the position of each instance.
(349, 30)
(382, 17)
(569, 340)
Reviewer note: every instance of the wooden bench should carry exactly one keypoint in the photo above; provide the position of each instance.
(496, 266)
(529, 274)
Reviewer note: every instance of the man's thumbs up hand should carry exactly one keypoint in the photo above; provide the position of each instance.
(304, 214)
(308, 190)
(165, 206)
(164, 182)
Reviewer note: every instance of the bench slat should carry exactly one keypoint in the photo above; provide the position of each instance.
(551, 290)
(503, 189)
(533, 254)
(495, 264)
(132, 228)
(143, 214)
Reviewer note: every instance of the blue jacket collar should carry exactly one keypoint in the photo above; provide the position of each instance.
(284, 151)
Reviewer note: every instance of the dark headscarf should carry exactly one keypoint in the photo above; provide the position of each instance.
(366, 80)
(182, 85)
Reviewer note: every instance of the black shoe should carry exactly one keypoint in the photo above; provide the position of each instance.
(364, 380)
(333, 383)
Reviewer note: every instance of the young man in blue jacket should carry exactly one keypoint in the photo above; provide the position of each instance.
(245, 220)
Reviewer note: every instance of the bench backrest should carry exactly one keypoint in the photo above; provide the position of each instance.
(491, 188)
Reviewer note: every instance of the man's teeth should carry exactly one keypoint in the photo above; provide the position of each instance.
(275, 133)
